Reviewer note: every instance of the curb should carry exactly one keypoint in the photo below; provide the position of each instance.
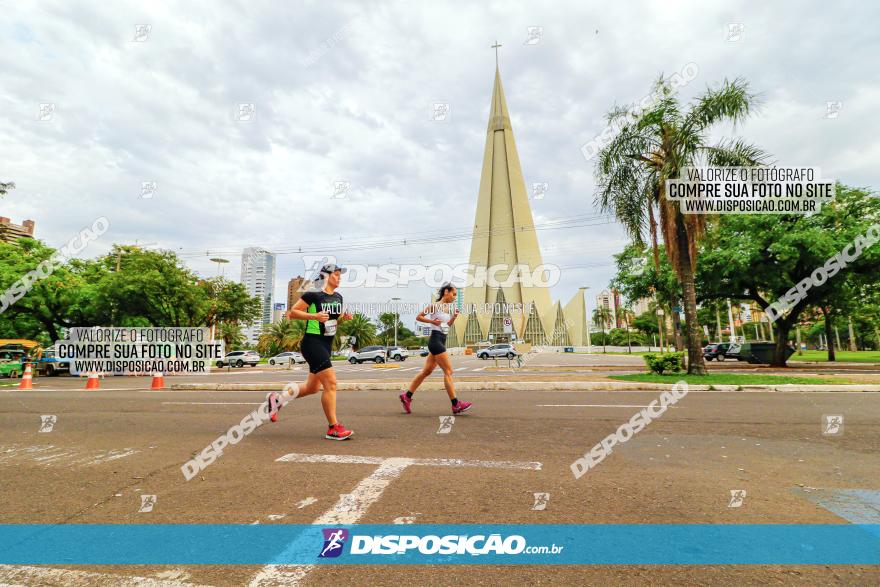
(462, 385)
(532, 386)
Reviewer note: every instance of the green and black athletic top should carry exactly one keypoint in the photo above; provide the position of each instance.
(321, 301)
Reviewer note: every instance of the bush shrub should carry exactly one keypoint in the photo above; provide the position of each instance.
(664, 362)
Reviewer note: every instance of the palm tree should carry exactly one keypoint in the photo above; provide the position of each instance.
(655, 146)
(232, 335)
(360, 328)
(602, 316)
(627, 315)
(281, 336)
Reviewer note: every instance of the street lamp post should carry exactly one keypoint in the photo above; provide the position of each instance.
(730, 322)
(395, 321)
(220, 262)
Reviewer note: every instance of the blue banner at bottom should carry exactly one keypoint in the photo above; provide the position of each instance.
(418, 544)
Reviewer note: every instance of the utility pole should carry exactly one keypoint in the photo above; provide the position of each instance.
(730, 321)
(396, 317)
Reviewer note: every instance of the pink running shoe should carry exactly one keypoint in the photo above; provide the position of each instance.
(273, 399)
(461, 407)
(407, 403)
(338, 432)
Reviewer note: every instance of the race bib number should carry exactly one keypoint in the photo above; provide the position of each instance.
(330, 328)
(444, 328)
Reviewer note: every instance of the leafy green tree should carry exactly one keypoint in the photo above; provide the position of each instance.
(226, 301)
(655, 146)
(54, 301)
(635, 279)
(128, 287)
(762, 257)
(386, 321)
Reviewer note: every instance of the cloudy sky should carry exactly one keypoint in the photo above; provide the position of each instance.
(344, 92)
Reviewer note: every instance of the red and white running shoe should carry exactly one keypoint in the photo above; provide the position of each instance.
(338, 432)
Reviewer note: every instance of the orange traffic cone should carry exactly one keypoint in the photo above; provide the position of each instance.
(158, 381)
(27, 380)
(93, 382)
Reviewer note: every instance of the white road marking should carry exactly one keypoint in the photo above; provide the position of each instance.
(593, 406)
(30, 575)
(213, 403)
(479, 369)
(460, 369)
(352, 506)
(114, 455)
(365, 460)
(306, 502)
(37, 388)
(60, 455)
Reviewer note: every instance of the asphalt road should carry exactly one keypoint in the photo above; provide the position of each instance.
(106, 449)
(536, 366)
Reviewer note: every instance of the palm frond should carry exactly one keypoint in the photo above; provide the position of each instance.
(731, 102)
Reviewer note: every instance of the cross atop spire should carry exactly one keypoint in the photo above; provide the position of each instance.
(495, 46)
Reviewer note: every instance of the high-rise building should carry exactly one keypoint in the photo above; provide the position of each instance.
(258, 277)
(295, 289)
(11, 232)
(278, 312)
(609, 300)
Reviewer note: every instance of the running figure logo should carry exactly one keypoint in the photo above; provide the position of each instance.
(147, 503)
(446, 423)
(832, 424)
(541, 500)
(47, 422)
(737, 496)
(334, 540)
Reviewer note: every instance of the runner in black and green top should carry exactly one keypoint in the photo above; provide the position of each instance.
(322, 310)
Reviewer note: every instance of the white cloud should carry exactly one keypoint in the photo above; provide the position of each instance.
(344, 92)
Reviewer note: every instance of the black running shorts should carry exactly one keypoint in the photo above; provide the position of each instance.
(437, 343)
(315, 349)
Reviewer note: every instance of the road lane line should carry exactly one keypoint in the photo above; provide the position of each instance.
(214, 403)
(348, 510)
(593, 406)
(351, 507)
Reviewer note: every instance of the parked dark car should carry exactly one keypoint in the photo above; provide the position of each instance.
(718, 351)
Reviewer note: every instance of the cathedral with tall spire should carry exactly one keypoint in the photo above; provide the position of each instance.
(504, 235)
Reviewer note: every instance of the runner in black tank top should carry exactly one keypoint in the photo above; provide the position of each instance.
(440, 316)
(322, 310)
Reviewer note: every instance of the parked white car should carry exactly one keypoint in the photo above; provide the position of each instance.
(286, 357)
(368, 353)
(498, 350)
(240, 359)
(398, 353)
